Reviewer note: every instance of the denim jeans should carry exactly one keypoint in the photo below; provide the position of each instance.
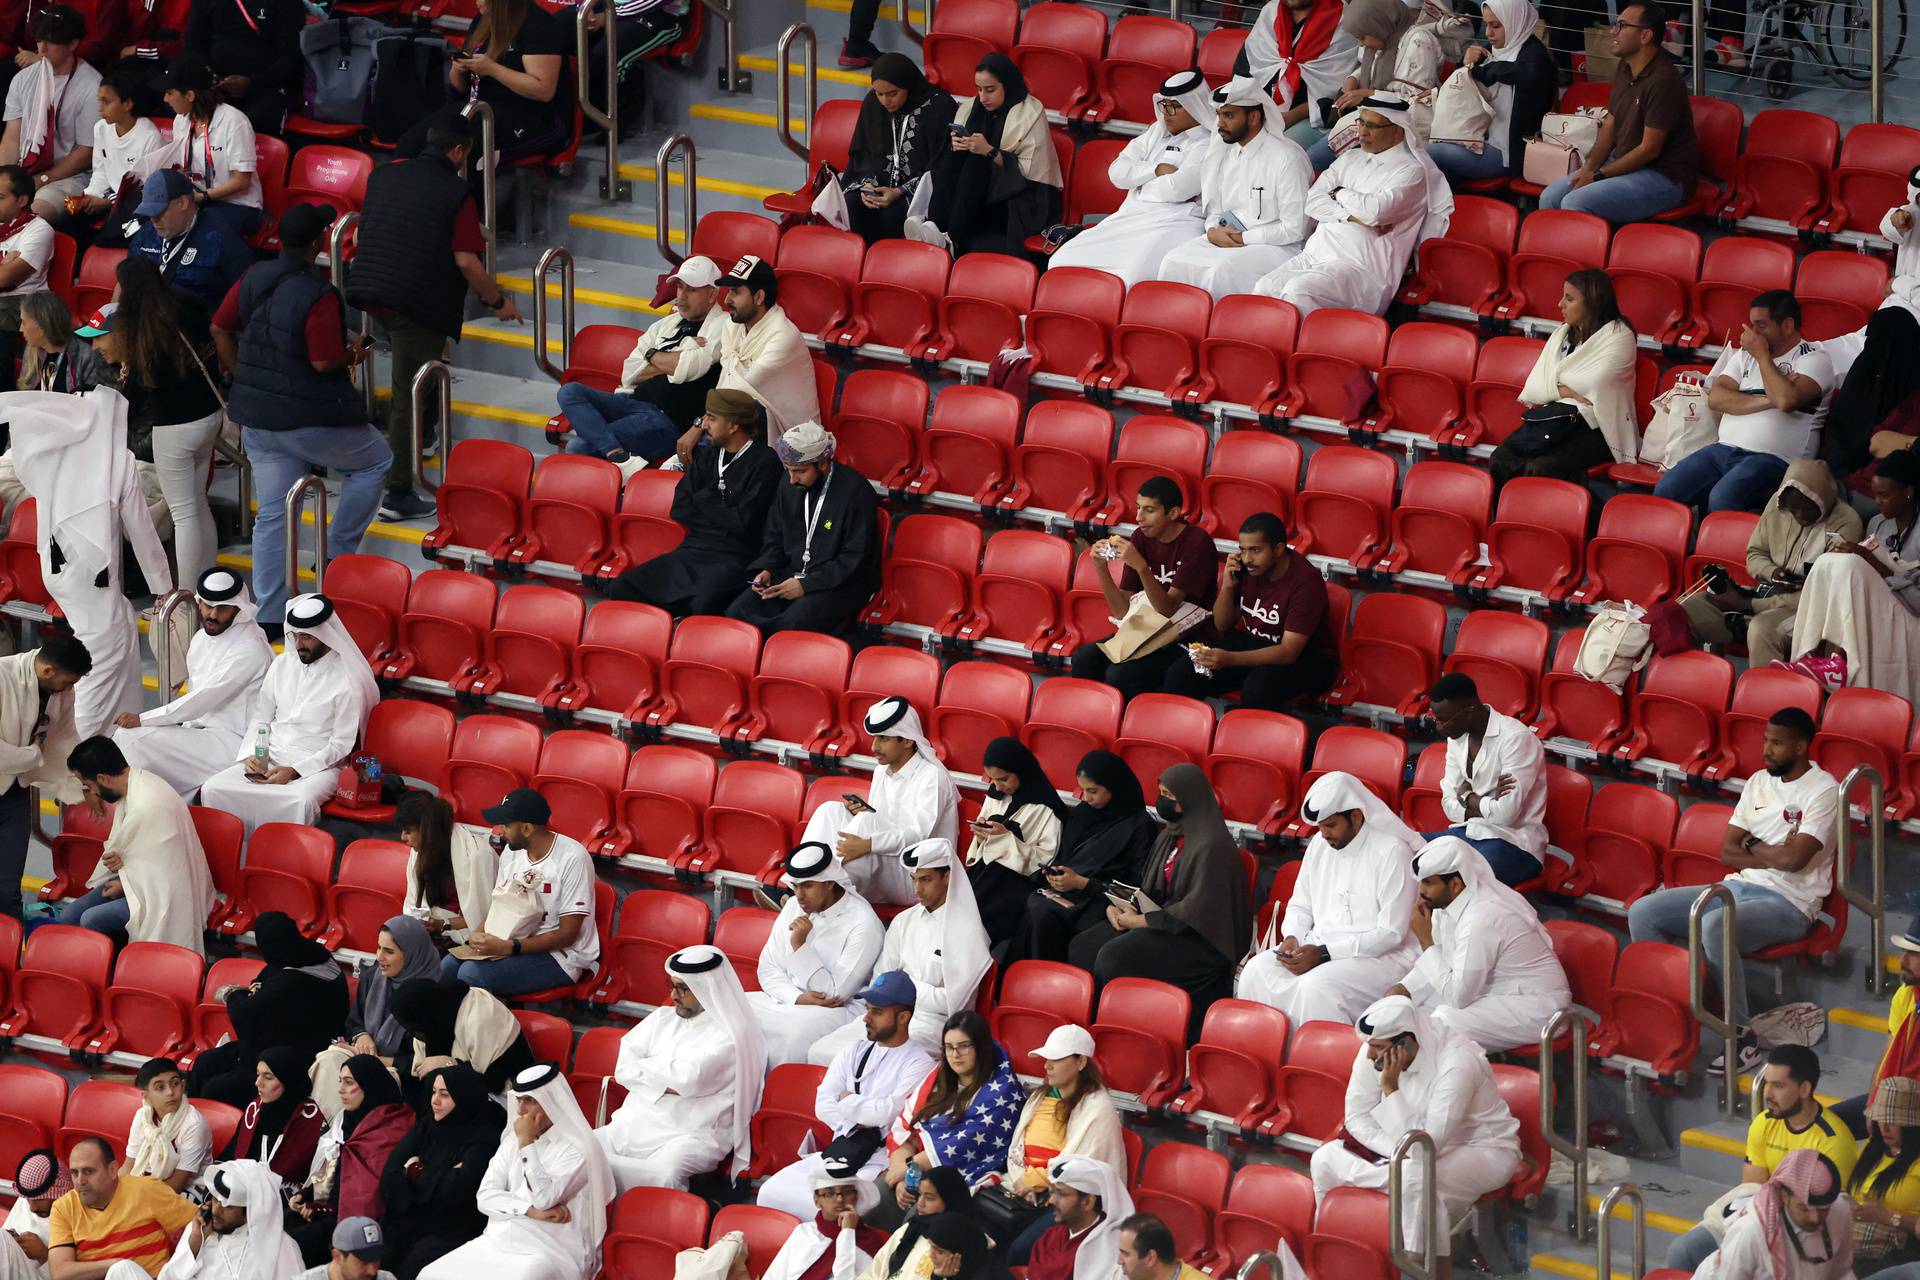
(1627, 198)
(1762, 917)
(1721, 477)
(1511, 864)
(1692, 1249)
(509, 975)
(606, 420)
(1321, 155)
(95, 911)
(279, 459)
(1462, 165)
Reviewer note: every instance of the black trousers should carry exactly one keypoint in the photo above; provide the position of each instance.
(16, 827)
(633, 40)
(1185, 959)
(1132, 677)
(860, 20)
(1269, 688)
(683, 581)
(830, 611)
(225, 1074)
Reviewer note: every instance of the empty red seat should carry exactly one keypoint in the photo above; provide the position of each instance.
(1243, 359)
(1139, 1038)
(1653, 267)
(569, 514)
(897, 297)
(1331, 369)
(148, 1010)
(1466, 269)
(1231, 1067)
(491, 755)
(785, 1117)
(1255, 765)
(1156, 343)
(1722, 540)
(795, 696)
(1647, 1015)
(1350, 1234)
(1838, 292)
(550, 1037)
(1267, 1202)
(752, 820)
(1572, 706)
(1493, 397)
(925, 582)
(97, 279)
(623, 645)
(1313, 1082)
(1505, 654)
(1870, 178)
(1628, 830)
(1537, 537)
(739, 934)
(530, 645)
(370, 594)
(1440, 521)
(1069, 718)
(31, 1102)
(819, 267)
(1733, 272)
(1070, 329)
(1249, 472)
(1676, 712)
(1019, 593)
(828, 137)
(599, 351)
(482, 498)
(210, 1021)
(651, 1225)
(1035, 997)
(963, 33)
(369, 891)
(1863, 726)
(1781, 173)
(986, 296)
(443, 632)
(1142, 51)
(1342, 510)
(1717, 125)
(1377, 759)
(643, 527)
(1089, 192)
(1553, 244)
(1061, 461)
(704, 681)
(652, 926)
(880, 422)
(96, 1107)
(979, 701)
(579, 774)
(1423, 384)
(1185, 1186)
(1638, 550)
(288, 868)
(1059, 46)
(1392, 654)
(658, 813)
(1694, 858)
(58, 988)
(969, 445)
(1160, 730)
(1150, 445)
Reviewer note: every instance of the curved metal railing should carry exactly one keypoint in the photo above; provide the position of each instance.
(1574, 1149)
(1428, 1265)
(489, 162)
(783, 84)
(1872, 904)
(435, 374)
(678, 144)
(1697, 983)
(1603, 1237)
(296, 503)
(541, 358)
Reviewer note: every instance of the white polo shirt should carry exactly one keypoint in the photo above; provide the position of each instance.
(564, 882)
(1784, 433)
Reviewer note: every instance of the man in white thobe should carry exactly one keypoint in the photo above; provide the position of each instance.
(1413, 1073)
(152, 862)
(939, 943)
(1374, 205)
(239, 1234)
(1345, 935)
(1253, 188)
(693, 1073)
(1494, 790)
(1160, 172)
(840, 1198)
(1901, 225)
(912, 798)
(865, 1086)
(71, 454)
(1486, 968)
(196, 735)
(24, 1236)
(819, 952)
(545, 1192)
(310, 711)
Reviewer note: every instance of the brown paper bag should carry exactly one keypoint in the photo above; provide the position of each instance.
(1601, 64)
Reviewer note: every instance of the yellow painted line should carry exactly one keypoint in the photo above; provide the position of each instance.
(834, 75)
(591, 297)
(522, 338)
(1561, 1267)
(244, 564)
(740, 115)
(621, 227)
(377, 529)
(1658, 1221)
(888, 11)
(1865, 1019)
(150, 682)
(34, 884)
(491, 412)
(1707, 1140)
(717, 186)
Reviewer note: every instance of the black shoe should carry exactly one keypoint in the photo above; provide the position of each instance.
(855, 56)
(276, 631)
(617, 456)
(404, 504)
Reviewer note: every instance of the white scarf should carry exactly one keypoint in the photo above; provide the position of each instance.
(157, 1154)
(1601, 369)
(483, 1029)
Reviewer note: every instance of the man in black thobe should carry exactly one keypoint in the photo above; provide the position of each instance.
(820, 560)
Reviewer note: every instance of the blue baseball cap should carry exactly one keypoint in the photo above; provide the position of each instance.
(893, 988)
(160, 190)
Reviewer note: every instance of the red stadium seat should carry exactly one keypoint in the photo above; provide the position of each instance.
(1781, 172)
(1089, 192)
(1587, 953)
(1572, 706)
(1142, 51)
(569, 514)
(1059, 46)
(1493, 397)
(482, 499)
(1036, 997)
(1863, 726)
(221, 835)
(1267, 1202)
(443, 632)
(884, 671)
(979, 701)
(740, 933)
(819, 267)
(962, 34)
(599, 351)
(579, 774)
(925, 582)
(1420, 806)
(603, 904)
(76, 852)
(1160, 730)
(1392, 654)
(370, 595)
(623, 645)
(1313, 1082)
(550, 1037)
(1019, 592)
(288, 868)
(980, 312)
(752, 820)
(1350, 1234)
(653, 925)
(1249, 472)
(1675, 714)
(1423, 384)
(1331, 369)
(644, 526)
(1694, 858)
(96, 281)
(660, 808)
(1139, 1038)
(1255, 766)
(1505, 654)
(210, 1021)
(1722, 540)
(1219, 49)
(785, 1118)
(32, 1100)
(1717, 124)
(1653, 268)
(1553, 244)
(651, 1225)
(1185, 1186)
(1156, 343)
(491, 755)
(1535, 542)
(879, 424)
(1070, 717)
(765, 1231)
(1377, 759)
(1061, 461)
(1628, 829)
(1344, 507)
(795, 696)
(968, 445)
(1466, 269)
(1520, 1090)
(96, 1107)
(1734, 271)
(530, 645)
(1838, 292)
(897, 297)
(704, 681)
(1070, 329)
(1232, 1065)
(148, 1011)
(726, 237)
(20, 560)
(1647, 1015)
(1152, 444)
(369, 891)
(828, 137)
(1870, 178)
(1440, 521)
(1243, 359)
(1638, 550)
(59, 986)
(334, 176)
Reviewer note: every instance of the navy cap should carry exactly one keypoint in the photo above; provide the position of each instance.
(893, 988)
(160, 190)
(522, 804)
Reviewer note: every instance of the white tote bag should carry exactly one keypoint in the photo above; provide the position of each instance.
(830, 206)
(1617, 644)
(1682, 421)
(1461, 113)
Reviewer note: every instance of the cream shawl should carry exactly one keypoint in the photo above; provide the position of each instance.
(1092, 1130)
(482, 1031)
(1026, 137)
(1601, 369)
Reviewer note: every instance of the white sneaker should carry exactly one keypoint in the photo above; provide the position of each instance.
(916, 229)
(673, 463)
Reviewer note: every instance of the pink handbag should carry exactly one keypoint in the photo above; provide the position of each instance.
(1548, 160)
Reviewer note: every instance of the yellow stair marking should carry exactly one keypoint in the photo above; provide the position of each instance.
(1562, 1267)
(1720, 1143)
(244, 564)
(522, 338)
(890, 12)
(621, 227)
(740, 115)
(491, 412)
(718, 186)
(591, 297)
(1658, 1221)
(377, 529)
(833, 75)
(1865, 1019)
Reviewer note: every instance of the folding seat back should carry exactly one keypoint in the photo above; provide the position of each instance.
(979, 701)
(443, 632)
(570, 511)
(751, 821)
(1350, 1234)
(97, 279)
(1069, 718)
(1871, 176)
(622, 646)
(1638, 552)
(491, 756)
(1090, 193)
(1153, 444)
(1653, 266)
(1139, 1037)
(1505, 654)
(928, 569)
(1587, 954)
(1520, 1090)
(1393, 652)
(550, 1037)
(1838, 291)
(599, 351)
(1781, 173)
(704, 681)
(1545, 254)
(1694, 858)
(1538, 534)
(1569, 796)
(1377, 759)
(1219, 49)
(1070, 329)
(819, 267)
(287, 869)
(1185, 1186)
(32, 1100)
(651, 1226)
(881, 418)
(763, 1231)
(785, 1118)
(1249, 472)
(1677, 711)
(1059, 45)
(221, 835)
(580, 773)
(662, 802)
(1733, 271)
(962, 34)
(1629, 827)
(1313, 1081)
(1061, 461)
(1420, 805)
(1343, 508)
(898, 294)
(1757, 694)
(148, 1010)
(1647, 1015)
(1332, 369)
(58, 988)
(969, 442)
(1467, 266)
(740, 933)
(530, 645)
(1231, 1066)
(1160, 730)
(1142, 51)
(1493, 398)
(985, 298)
(1722, 540)
(887, 671)
(726, 237)
(335, 176)
(210, 1021)
(1423, 384)
(828, 137)
(653, 924)
(370, 890)
(20, 559)
(1243, 360)
(76, 852)
(1441, 518)
(1256, 762)
(481, 500)
(1020, 592)
(96, 1107)
(1572, 706)
(369, 593)
(1863, 726)
(1266, 1201)
(1717, 126)
(1161, 326)
(795, 697)
(643, 527)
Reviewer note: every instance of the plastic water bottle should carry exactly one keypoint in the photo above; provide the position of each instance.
(1518, 1254)
(260, 744)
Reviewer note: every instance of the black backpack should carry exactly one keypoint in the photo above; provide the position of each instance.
(409, 83)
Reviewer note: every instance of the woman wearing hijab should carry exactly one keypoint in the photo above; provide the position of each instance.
(1797, 1227)
(999, 180)
(1586, 368)
(959, 1250)
(1876, 407)
(282, 1125)
(298, 1003)
(900, 133)
(404, 953)
(1520, 81)
(1802, 518)
(1016, 833)
(1399, 55)
(432, 1177)
(1104, 837)
(345, 1178)
(451, 1022)
(1201, 920)
(943, 1189)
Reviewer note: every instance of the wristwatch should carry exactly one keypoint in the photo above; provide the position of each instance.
(516, 946)
(498, 302)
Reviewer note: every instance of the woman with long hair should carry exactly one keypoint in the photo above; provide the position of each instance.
(999, 179)
(166, 362)
(433, 1176)
(56, 359)
(1016, 833)
(451, 870)
(1104, 837)
(964, 1110)
(214, 144)
(511, 62)
(1885, 1185)
(1586, 374)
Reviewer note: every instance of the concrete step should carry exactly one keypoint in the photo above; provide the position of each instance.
(606, 291)
(504, 346)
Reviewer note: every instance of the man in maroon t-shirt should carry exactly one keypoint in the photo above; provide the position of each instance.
(1169, 561)
(1277, 641)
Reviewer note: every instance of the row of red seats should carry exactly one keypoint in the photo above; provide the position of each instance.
(40, 1110)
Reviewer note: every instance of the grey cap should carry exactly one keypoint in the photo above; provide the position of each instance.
(360, 1237)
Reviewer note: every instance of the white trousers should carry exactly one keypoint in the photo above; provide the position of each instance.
(257, 802)
(181, 454)
(878, 878)
(1464, 1174)
(1223, 271)
(484, 1257)
(790, 1030)
(790, 1188)
(184, 755)
(1324, 284)
(1500, 1022)
(1337, 991)
(126, 1269)
(103, 621)
(666, 1158)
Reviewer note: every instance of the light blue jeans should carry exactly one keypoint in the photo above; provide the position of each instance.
(361, 457)
(1723, 477)
(94, 910)
(1462, 165)
(1762, 917)
(509, 975)
(603, 421)
(1627, 198)
(1692, 1249)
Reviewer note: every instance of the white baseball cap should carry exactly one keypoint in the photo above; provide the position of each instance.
(697, 272)
(1066, 1041)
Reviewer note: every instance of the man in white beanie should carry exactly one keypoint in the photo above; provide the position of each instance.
(693, 1072)
(1487, 967)
(1374, 205)
(819, 559)
(939, 943)
(911, 798)
(1252, 187)
(1414, 1073)
(841, 1196)
(196, 735)
(1344, 935)
(760, 351)
(239, 1234)
(818, 954)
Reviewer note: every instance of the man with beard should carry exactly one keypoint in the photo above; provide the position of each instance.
(151, 883)
(188, 740)
(558, 872)
(239, 1234)
(761, 353)
(1494, 788)
(693, 1073)
(819, 559)
(36, 732)
(819, 952)
(911, 798)
(1779, 845)
(310, 711)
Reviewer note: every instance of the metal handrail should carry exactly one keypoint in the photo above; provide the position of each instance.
(434, 372)
(732, 78)
(1697, 39)
(611, 187)
(343, 226)
(296, 500)
(1874, 904)
(1266, 1260)
(482, 111)
(689, 198)
(243, 468)
(919, 34)
(1429, 1267)
(564, 257)
(1877, 91)
(1575, 1149)
(783, 87)
(1603, 1238)
(160, 638)
(1696, 986)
